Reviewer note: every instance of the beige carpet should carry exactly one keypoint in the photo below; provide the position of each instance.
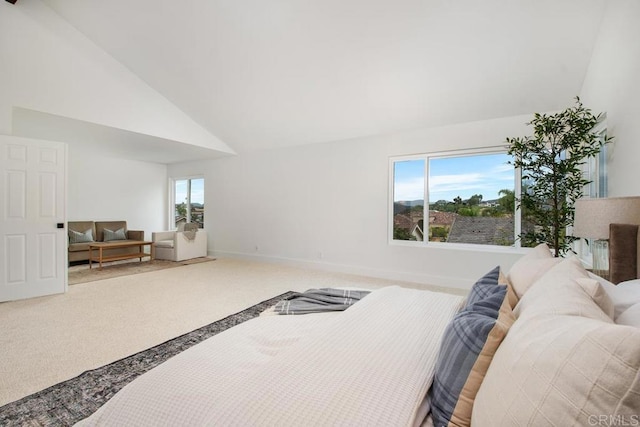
(50, 339)
(82, 273)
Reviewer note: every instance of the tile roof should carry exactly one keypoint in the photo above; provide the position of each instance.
(482, 230)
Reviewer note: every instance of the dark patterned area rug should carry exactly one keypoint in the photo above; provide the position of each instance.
(70, 401)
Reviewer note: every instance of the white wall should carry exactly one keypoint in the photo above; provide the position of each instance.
(102, 188)
(321, 205)
(613, 85)
(48, 66)
(326, 205)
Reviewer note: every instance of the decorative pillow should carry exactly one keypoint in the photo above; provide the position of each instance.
(468, 345)
(511, 293)
(562, 370)
(484, 287)
(558, 292)
(628, 283)
(530, 268)
(77, 237)
(623, 295)
(630, 316)
(598, 295)
(110, 235)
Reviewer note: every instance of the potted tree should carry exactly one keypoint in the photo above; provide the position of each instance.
(550, 161)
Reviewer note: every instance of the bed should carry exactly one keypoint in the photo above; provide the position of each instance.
(546, 343)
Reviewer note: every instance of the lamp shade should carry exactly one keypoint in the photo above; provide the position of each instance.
(593, 216)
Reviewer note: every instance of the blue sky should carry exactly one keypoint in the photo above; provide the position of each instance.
(449, 177)
(197, 191)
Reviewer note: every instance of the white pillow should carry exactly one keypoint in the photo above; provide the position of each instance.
(563, 360)
(561, 370)
(565, 289)
(598, 295)
(630, 316)
(530, 268)
(623, 295)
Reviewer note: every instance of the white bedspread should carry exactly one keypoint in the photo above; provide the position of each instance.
(370, 365)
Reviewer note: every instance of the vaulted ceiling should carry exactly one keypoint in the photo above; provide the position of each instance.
(266, 74)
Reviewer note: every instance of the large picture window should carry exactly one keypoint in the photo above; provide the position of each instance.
(188, 201)
(462, 197)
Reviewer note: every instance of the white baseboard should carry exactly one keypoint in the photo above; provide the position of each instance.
(423, 279)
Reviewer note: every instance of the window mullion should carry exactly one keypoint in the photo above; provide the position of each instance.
(188, 200)
(517, 214)
(425, 215)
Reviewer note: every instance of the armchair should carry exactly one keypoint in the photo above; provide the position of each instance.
(176, 246)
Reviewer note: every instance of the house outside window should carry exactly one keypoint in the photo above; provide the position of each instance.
(188, 202)
(470, 198)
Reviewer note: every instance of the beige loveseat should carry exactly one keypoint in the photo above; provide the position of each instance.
(83, 233)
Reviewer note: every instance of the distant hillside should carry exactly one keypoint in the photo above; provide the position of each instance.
(405, 206)
(411, 203)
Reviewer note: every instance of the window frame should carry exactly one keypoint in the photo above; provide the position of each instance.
(172, 198)
(498, 149)
(595, 168)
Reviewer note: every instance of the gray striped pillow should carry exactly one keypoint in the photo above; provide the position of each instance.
(484, 287)
(467, 347)
(119, 234)
(77, 237)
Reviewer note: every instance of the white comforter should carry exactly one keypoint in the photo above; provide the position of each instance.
(369, 365)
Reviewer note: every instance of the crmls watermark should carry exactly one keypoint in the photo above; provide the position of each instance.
(614, 420)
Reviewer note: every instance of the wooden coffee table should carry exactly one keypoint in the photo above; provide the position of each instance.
(100, 247)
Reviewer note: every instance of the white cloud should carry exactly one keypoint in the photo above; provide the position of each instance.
(465, 185)
(460, 183)
(411, 189)
(475, 180)
(503, 168)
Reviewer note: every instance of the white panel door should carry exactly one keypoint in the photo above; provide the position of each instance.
(33, 249)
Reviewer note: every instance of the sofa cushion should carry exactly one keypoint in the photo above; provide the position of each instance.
(110, 235)
(164, 244)
(79, 247)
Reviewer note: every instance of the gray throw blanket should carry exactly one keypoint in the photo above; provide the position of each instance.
(190, 229)
(319, 301)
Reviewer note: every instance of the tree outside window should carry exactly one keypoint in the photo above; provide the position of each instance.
(470, 198)
(189, 201)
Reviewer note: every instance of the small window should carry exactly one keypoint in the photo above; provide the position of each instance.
(188, 201)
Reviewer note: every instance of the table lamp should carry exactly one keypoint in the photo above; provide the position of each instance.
(593, 218)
